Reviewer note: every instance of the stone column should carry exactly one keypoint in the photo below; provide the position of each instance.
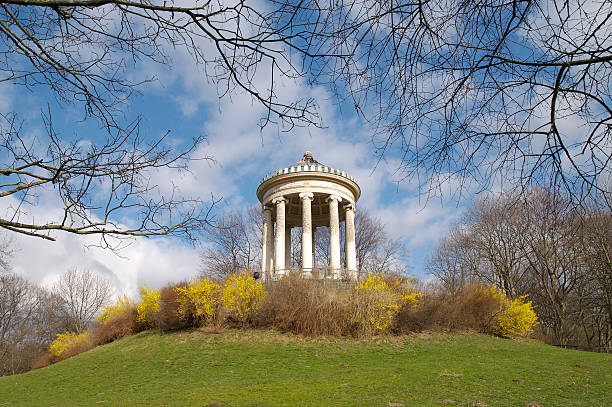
(279, 236)
(351, 254)
(334, 235)
(267, 239)
(287, 248)
(314, 257)
(307, 234)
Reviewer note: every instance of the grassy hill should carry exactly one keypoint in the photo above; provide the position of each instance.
(256, 368)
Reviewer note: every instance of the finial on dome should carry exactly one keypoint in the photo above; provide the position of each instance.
(308, 159)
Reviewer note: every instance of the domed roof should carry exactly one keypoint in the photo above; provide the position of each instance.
(308, 168)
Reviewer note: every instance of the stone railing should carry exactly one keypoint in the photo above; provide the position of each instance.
(307, 168)
(318, 273)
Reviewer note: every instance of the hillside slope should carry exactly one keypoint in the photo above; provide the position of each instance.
(256, 368)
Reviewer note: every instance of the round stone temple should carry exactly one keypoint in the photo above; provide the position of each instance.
(307, 195)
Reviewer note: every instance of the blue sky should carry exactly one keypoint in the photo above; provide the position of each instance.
(182, 101)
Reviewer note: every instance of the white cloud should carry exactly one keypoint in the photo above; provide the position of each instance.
(154, 261)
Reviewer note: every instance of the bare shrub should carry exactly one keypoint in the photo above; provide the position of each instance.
(45, 359)
(119, 326)
(77, 349)
(48, 358)
(306, 307)
(65, 346)
(418, 319)
(168, 318)
(473, 307)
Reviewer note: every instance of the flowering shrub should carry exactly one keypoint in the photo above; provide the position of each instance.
(242, 296)
(516, 317)
(148, 306)
(200, 300)
(67, 340)
(121, 306)
(378, 298)
(409, 295)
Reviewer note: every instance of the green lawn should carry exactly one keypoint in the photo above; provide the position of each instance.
(254, 368)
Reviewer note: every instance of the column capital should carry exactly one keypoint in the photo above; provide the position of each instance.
(266, 207)
(349, 207)
(279, 200)
(333, 198)
(306, 195)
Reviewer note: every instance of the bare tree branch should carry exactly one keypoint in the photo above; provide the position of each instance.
(122, 166)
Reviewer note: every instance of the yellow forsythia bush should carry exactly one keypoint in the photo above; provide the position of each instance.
(148, 306)
(378, 298)
(242, 296)
(201, 298)
(67, 340)
(516, 317)
(122, 305)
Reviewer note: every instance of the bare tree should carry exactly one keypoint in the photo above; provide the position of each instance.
(596, 299)
(17, 306)
(322, 253)
(97, 186)
(30, 317)
(369, 237)
(554, 263)
(496, 226)
(375, 251)
(542, 245)
(83, 294)
(454, 262)
(233, 244)
(391, 257)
